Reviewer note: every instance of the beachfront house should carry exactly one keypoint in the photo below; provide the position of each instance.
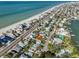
(11, 35)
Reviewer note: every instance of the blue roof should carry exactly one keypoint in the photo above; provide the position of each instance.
(24, 26)
(5, 39)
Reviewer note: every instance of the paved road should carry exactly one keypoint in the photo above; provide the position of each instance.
(54, 30)
(13, 43)
(55, 26)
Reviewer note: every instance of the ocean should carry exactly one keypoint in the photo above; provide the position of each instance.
(15, 11)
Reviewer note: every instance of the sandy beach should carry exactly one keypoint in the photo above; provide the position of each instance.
(12, 26)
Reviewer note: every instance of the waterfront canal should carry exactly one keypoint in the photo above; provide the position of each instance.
(75, 30)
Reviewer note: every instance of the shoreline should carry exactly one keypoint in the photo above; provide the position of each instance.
(37, 16)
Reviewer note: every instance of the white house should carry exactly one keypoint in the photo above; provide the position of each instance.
(62, 31)
(21, 44)
(16, 48)
(57, 41)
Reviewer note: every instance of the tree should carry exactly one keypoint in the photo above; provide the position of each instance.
(50, 46)
(47, 54)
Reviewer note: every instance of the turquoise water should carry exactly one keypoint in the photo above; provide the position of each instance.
(75, 30)
(12, 12)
